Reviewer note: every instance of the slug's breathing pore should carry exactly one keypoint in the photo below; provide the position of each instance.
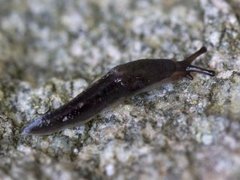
(122, 81)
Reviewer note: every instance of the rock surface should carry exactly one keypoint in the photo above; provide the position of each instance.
(52, 50)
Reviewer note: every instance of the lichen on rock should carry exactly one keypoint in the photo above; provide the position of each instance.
(50, 51)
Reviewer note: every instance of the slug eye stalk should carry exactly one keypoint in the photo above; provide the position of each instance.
(194, 56)
(200, 70)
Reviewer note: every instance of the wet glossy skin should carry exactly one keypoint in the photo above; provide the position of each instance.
(121, 81)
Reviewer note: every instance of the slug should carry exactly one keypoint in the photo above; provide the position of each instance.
(121, 81)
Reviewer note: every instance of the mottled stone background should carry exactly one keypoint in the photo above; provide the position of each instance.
(51, 50)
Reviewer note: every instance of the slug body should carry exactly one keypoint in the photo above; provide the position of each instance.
(121, 81)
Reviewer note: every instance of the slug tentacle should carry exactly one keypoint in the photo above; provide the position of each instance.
(192, 57)
(192, 68)
(186, 66)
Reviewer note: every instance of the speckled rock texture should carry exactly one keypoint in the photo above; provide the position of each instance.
(51, 50)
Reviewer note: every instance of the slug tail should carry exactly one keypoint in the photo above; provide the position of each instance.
(35, 127)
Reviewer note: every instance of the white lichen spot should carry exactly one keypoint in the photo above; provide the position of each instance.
(194, 97)
(80, 129)
(73, 21)
(63, 60)
(221, 5)
(37, 7)
(110, 170)
(192, 109)
(24, 149)
(230, 142)
(207, 139)
(76, 49)
(75, 151)
(13, 23)
(149, 131)
(214, 38)
(137, 23)
(232, 19)
(122, 154)
(56, 101)
(217, 61)
(69, 132)
(113, 52)
(181, 119)
(223, 164)
(225, 74)
(44, 144)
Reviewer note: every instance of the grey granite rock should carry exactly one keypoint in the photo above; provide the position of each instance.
(52, 50)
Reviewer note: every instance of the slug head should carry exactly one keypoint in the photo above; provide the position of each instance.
(186, 66)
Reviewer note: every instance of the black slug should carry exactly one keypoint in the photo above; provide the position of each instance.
(122, 81)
